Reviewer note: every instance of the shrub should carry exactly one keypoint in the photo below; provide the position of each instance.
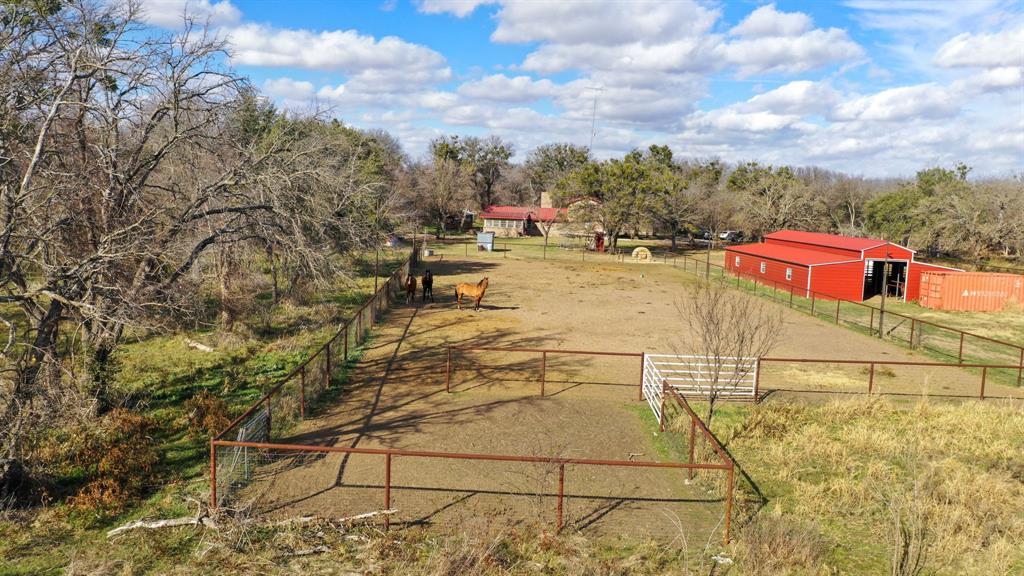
(207, 414)
(775, 546)
(117, 457)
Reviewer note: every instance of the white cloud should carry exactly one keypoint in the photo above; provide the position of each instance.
(502, 88)
(1000, 49)
(460, 8)
(336, 50)
(904, 103)
(288, 89)
(790, 54)
(767, 21)
(171, 13)
(798, 97)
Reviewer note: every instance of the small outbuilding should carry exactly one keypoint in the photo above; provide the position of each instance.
(829, 265)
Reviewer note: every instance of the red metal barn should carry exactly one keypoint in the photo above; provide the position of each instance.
(829, 265)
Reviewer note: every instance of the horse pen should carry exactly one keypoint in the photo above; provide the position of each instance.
(481, 418)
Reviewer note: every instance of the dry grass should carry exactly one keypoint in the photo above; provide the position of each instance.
(848, 465)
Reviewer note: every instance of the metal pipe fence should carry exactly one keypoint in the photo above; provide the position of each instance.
(293, 396)
(915, 333)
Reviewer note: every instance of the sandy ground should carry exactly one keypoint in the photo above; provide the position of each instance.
(396, 399)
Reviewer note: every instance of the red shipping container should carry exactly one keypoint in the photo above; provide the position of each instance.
(971, 291)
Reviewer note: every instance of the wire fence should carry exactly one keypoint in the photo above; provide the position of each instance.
(234, 466)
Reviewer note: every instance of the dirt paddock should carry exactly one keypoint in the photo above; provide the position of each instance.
(396, 399)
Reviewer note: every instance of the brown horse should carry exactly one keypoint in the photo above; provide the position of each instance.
(475, 291)
(410, 289)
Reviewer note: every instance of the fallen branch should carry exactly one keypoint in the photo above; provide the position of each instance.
(169, 523)
(309, 551)
(197, 345)
(366, 516)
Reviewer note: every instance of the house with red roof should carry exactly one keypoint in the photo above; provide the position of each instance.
(829, 265)
(508, 221)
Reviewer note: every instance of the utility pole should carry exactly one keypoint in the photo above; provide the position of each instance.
(593, 114)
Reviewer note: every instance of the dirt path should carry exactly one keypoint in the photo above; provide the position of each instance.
(396, 399)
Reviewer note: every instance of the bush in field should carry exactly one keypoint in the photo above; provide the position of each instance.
(116, 457)
(780, 546)
(206, 413)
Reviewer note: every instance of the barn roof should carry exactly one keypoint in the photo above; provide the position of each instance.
(801, 256)
(521, 212)
(828, 240)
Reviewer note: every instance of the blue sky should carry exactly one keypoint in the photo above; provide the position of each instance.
(873, 87)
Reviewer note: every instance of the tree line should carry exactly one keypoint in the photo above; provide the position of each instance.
(137, 170)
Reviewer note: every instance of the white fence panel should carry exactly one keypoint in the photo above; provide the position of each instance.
(696, 377)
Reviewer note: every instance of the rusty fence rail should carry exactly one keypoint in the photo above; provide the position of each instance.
(915, 333)
(872, 365)
(390, 455)
(290, 398)
(543, 352)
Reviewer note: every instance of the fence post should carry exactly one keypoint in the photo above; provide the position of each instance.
(327, 366)
(213, 474)
(302, 392)
(448, 372)
(838, 301)
(871, 325)
(693, 441)
(1020, 368)
(643, 370)
(728, 503)
(871, 377)
(984, 376)
(661, 413)
(387, 490)
(960, 354)
(561, 494)
(757, 379)
(790, 296)
(912, 322)
(543, 371)
(812, 303)
(345, 357)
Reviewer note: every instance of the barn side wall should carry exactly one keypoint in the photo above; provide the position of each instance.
(775, 271)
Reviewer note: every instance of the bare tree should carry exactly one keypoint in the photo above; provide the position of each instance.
(724, 327)
(127, 156)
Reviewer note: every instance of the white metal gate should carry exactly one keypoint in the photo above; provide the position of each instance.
(695, 376)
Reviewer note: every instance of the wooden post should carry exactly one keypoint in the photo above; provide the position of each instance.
(984, 376)
(448, 372)
(213, 474)
(728, 504)
(812, 303)
(561, 495)
(345, 357)
(790, 296)
(871, 377)
(912, 322)
(302, 392)
(387, 490)
(960, 354)
(543, 371)
(693, 442)
(837, 310)
(871, 326)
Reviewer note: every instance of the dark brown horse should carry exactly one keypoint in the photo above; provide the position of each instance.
(410, 289)
(428, 285)
(475, 291)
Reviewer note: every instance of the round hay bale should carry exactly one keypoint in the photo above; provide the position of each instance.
(642, 254)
